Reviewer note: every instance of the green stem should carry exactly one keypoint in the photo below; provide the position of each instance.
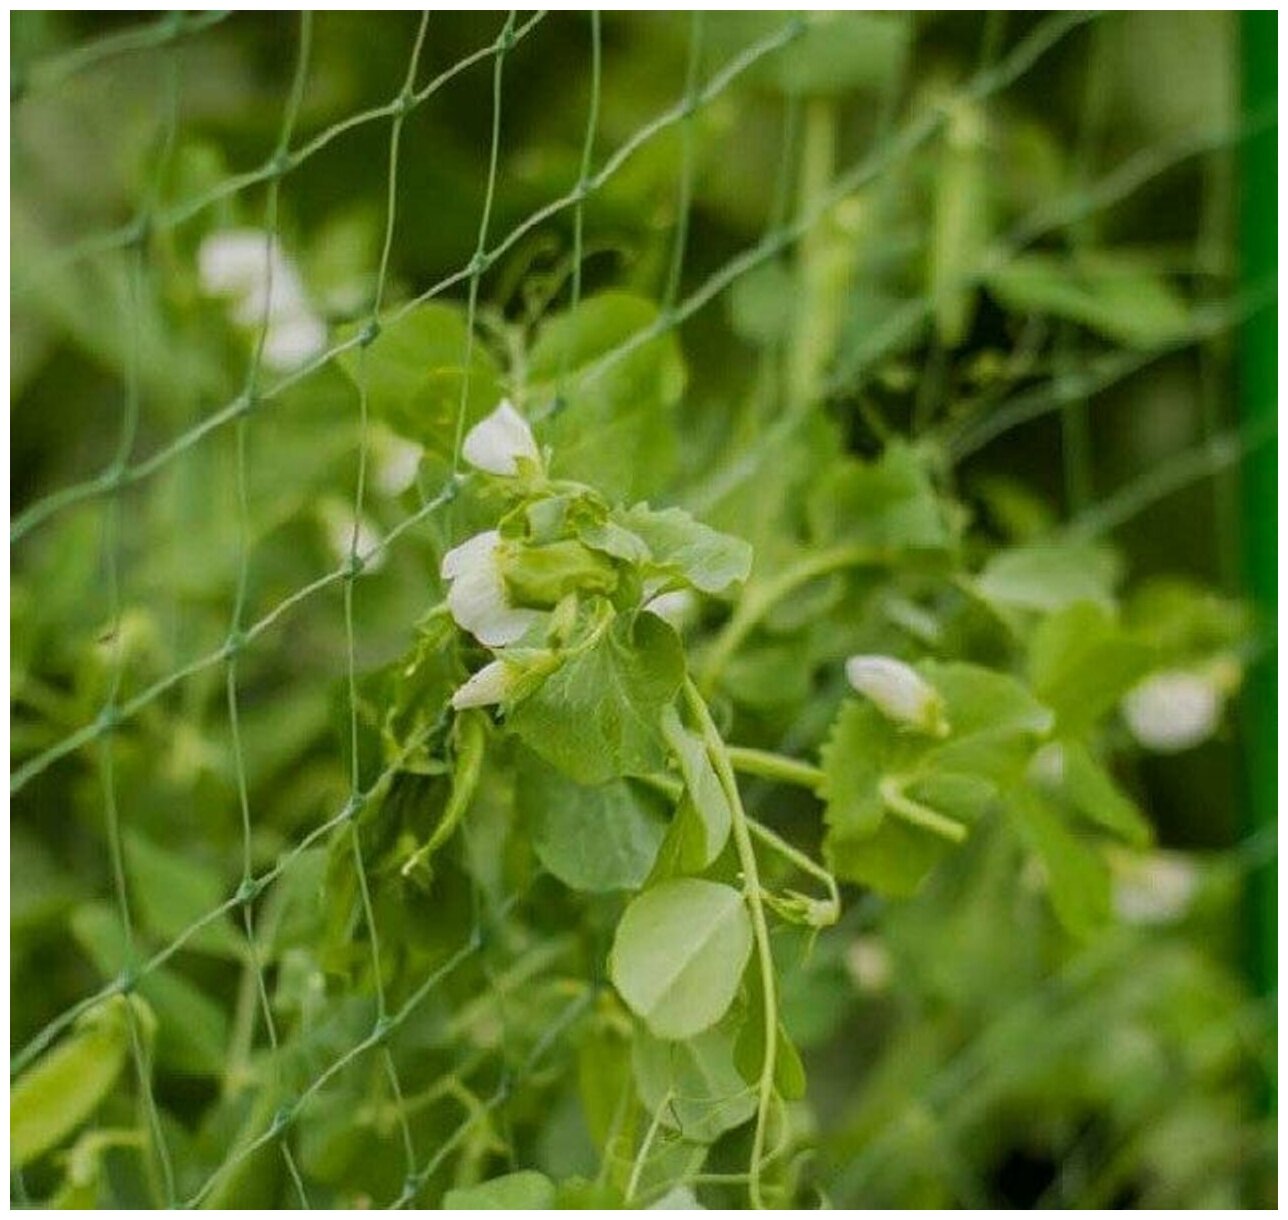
(760, 599)
(898, 802)
(776, 843)
(646, 1146)
(768, 765)
(719, 756)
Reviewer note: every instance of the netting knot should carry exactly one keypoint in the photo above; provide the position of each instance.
(109, 718)
(248, 891)
(127, 980)
(383, 1027)
(582, 190)
(284, 1117)
(235, 642)
(245, 403)
(479, 263)
(355, 806)
(404, 102)
(369, 333)
(279, 164)
(507, 39)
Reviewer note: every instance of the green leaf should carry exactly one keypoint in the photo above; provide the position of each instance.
(1047, 576)
(615, 426)
(893, 861)
(1185, 621)
(693, 1085)
(597, 716)
(701, 783)
(995, 724)
(415, 374)
(510, 1192)
(749, 1048)
(603, 1075)
(192, 1030)
(980, 700)
(684, 850)
(68, 1083)
(682, 548)
(1081, 662)
(1107, 292)
(889, 505)
(679, 954)
(862, 747)
(171, 892)
(1077, 878)
(769, 675)
(1090, 789)
(593, 838)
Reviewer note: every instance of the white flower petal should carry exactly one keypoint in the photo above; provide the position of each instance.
(490, 685)
(396, 465)
(1156, 889)
(477, 599)
(250, 267)
(235, 262)
(473, 553)
(339, 524)
(497, 441)
(677, 607)
(1173, 710)
(292, 342)
(899, 692)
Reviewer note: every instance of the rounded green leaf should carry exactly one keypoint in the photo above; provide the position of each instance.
(679, 954)
(694, 1087)
(511, 1192)
(594, 838)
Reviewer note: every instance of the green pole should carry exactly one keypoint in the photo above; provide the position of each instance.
(1259, 378)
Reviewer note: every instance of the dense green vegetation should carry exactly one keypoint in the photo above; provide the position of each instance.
(630, 611)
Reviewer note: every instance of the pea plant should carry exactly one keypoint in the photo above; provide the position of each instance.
(615, 611)
(567, 665)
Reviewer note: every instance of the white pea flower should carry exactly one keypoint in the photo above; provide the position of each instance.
(290, 343)
(477, 598)
(397, 461)
(338, 520)
(899, 692)
(490, 685)
(499, 440)
(1173, 710)
(1156, 889)
(265, 289)
(869, 963)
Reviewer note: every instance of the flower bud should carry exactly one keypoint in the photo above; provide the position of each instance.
(1173, 710)
(490, 685)
(498, 442)
(899, 692)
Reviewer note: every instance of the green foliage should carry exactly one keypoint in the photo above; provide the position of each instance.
(679, 954)
(66, 1085)
(745, 812)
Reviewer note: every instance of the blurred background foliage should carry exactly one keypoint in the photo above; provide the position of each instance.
(1042, 294)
